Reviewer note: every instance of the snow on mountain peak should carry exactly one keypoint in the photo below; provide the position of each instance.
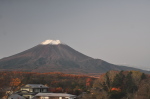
(53, 42)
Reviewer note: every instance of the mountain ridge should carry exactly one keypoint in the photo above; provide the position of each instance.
(57, 57)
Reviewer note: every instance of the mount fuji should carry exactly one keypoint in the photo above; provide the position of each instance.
(54, 56)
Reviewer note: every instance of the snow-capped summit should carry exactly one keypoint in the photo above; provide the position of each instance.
(53, 42)
(59, 57)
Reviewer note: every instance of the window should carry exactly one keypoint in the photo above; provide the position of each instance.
(44, 90)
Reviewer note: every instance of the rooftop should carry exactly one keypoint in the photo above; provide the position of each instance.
(55, 94)
(36, 86)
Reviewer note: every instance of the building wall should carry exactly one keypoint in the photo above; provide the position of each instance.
(54, 98)
(40, 90)
(25, 89)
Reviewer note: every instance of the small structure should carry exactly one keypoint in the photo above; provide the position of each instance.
(30, 90)
(35, 88)
(54, 96)
(15, 96)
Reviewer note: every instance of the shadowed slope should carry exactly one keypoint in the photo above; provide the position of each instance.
(57, 58)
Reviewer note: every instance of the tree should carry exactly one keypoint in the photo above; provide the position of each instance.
(15, 82)
(130, 86)
(13, 85)
(88, 82)
(117, 86)
(118, 80)
(143, 76)
(144, 90)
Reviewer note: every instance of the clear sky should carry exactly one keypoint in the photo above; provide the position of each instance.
(117, 31)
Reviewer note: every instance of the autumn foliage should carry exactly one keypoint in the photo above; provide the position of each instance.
(110, 85)
(56, 81)
(15, 82)
(116, 89)
(121, 85)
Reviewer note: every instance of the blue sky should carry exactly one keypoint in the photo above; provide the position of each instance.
(117, 31)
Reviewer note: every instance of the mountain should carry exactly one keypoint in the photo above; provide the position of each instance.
(54, 56)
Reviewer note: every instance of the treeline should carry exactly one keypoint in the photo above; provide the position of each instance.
(120, 85)
(111, 85)
(56, 81)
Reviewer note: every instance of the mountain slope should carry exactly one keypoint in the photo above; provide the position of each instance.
(53, 56)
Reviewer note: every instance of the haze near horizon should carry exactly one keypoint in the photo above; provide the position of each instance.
(115, 31)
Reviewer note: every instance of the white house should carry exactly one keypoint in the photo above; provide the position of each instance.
(35, 88)
(30, 90)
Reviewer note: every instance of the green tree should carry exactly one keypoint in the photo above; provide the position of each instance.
(118, 80)
(130, 85)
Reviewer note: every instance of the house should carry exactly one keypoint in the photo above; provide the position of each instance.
(38, 91)
(54, 96)
(15, 96)
(30, 90)
(36, 88)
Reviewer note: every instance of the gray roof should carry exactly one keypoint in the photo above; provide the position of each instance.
(36, 86)
(55, 95)
(16, 96)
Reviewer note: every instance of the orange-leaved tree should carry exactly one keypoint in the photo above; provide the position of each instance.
(14, 85)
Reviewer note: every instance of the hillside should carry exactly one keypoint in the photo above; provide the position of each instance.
(52, 56)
